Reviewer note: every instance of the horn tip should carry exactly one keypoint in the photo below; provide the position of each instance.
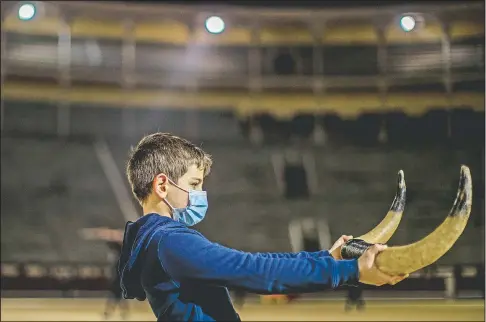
(398, 204)
(465, 177)
(462, 204)
(401, 179)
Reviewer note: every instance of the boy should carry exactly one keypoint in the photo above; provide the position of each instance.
(184, 275)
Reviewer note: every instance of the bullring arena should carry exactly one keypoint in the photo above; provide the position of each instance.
(308, 110)
(301, 310)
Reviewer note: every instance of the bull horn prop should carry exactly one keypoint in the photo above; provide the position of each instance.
(384, 230)
(410, 258)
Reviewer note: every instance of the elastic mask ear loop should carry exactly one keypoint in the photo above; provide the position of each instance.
(175, 184)
(167, 202)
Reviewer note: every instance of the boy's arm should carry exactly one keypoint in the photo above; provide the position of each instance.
(322, 253)
(188, 255)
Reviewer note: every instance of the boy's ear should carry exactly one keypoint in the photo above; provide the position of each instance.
(160, 185)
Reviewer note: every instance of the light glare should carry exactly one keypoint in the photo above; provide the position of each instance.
(214, 25)
(407, 23)
(26, 11)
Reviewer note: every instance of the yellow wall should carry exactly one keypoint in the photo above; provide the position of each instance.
(286, 36)
(430, 33)
(41, 26)
(279, 105)
(466, 29)
(176, 32)
(169, 32)
(233, 36)
(89, 28)
(350, 35)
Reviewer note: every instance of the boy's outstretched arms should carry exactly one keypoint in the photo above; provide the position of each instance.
(188, 255)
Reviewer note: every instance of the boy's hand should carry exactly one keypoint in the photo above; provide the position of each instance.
(370, 274)
(335, 250)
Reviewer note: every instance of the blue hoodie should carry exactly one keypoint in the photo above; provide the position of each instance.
(185, 277)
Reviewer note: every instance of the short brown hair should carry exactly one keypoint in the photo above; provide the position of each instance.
(162, 153)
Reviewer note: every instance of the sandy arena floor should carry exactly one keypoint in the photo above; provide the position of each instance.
(330, 310)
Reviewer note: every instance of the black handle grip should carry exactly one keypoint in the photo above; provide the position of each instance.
(354, 248)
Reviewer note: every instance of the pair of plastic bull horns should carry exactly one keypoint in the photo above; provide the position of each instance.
(398, 260)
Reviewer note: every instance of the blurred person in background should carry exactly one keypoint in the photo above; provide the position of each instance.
(481, 277)
(310, 243)
(239, 296)
(457, 273)
(354, 298)
(114, 240)
(311, 240)
(185, 276)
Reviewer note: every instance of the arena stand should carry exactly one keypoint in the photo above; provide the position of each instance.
(244, 196)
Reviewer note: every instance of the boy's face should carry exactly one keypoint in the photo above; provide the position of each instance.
(191, 180)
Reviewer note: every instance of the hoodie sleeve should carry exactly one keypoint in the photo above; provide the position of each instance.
(322, 253)
(188, 255)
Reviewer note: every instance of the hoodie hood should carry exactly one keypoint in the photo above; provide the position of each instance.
(136, 238)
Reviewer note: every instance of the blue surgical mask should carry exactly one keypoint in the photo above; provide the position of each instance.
(195, 211)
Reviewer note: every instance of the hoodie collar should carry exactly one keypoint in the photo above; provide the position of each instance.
(135, 240)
